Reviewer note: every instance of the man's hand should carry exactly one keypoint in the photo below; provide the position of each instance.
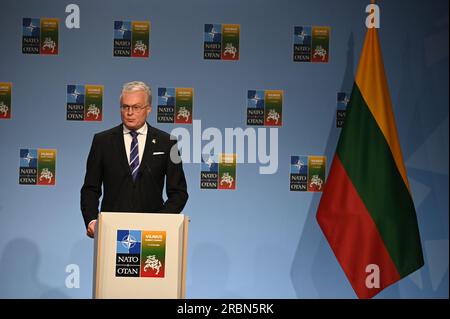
(90, 231)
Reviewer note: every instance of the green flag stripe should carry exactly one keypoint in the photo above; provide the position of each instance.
(368, 160)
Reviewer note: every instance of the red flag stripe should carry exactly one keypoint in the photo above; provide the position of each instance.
(345, 220)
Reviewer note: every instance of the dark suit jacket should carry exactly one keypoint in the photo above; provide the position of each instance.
(107, 164)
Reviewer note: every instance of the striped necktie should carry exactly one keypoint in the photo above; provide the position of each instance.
(134, 154)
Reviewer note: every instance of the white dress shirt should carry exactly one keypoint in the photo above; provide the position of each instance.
(142, 137)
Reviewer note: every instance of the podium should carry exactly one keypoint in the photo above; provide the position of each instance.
(140, 255)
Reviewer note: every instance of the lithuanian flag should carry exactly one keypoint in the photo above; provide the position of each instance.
(366, 211)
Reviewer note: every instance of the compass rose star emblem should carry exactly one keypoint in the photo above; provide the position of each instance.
(129, 241)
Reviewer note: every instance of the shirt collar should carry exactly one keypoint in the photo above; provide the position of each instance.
(141, 131)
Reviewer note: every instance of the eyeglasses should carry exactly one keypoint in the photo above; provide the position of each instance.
(135, 108)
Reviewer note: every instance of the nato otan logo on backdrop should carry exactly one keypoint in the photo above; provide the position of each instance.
(265, 107)
(131, 39)
(175, 105)
(5, 100)
(37, 166)
(40, 36)
(221, 42)
(218, 172)
(342, 101)
(84, 102)
(140, 253)
(311, 44)
(307, 173)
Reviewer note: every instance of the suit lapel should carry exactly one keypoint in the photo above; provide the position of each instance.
(119, 146)
(149, 146)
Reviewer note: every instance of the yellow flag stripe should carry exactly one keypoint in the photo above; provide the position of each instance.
(371, 80)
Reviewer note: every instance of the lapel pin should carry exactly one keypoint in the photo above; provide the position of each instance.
(154, 141)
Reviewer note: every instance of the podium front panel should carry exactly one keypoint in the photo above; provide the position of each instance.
(139, 255)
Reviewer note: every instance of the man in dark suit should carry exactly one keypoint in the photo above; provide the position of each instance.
(131, 161)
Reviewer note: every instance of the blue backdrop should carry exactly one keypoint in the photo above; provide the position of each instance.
(260, 241)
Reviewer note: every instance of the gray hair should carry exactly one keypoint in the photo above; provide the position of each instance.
(137, 86)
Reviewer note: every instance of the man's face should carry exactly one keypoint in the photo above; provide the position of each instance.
(134, 119)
